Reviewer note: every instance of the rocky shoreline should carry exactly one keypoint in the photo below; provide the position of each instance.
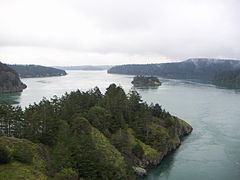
(9, 80)
(182, 130)
(14, 89)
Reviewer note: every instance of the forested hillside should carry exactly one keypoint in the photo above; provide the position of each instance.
(229, 79)
(196, 68)
(86, 135)
(9, 80)
(27, 71)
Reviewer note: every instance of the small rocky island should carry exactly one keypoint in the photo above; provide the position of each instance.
(146, 81)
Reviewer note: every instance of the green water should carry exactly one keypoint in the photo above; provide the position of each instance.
(212, 151)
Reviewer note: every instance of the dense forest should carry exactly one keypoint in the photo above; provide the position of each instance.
(196, 68)
(146, 81)
(9, 80)
(28, 71)
(229, 79)
(86, 135)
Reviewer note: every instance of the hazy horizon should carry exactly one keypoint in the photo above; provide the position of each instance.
(76, 33)
(102, 65)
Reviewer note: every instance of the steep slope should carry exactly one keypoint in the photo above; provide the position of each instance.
(196, 68)
(9, 80)
(28, 71)
(23, 159)
(229, 79)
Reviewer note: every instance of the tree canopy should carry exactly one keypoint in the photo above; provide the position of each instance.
(93, 135)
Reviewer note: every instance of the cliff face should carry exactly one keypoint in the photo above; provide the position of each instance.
(9, 80)
(154, 158)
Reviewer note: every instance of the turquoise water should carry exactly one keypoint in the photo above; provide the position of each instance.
(212, 151)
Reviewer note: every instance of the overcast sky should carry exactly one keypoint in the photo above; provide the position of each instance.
(80, 32)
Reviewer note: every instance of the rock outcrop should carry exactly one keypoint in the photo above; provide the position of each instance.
(152, 153)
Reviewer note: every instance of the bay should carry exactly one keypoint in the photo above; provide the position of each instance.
(212, 151)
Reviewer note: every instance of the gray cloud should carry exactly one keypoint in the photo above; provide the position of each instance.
(128, 30)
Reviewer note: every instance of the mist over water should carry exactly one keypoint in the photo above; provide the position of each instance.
(212, 151)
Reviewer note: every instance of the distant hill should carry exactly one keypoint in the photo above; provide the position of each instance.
(229, 79)
(86, 67)
(195, 68)
(9, 80)
(28, 71)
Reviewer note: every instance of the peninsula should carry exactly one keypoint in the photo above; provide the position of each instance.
(30, 71)
(9, 80)
(87, 136)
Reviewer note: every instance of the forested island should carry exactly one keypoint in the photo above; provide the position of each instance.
(29, 71)
(9, 80)
(195, 68)
(86, 136)
(146, 81)
(230, 79)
